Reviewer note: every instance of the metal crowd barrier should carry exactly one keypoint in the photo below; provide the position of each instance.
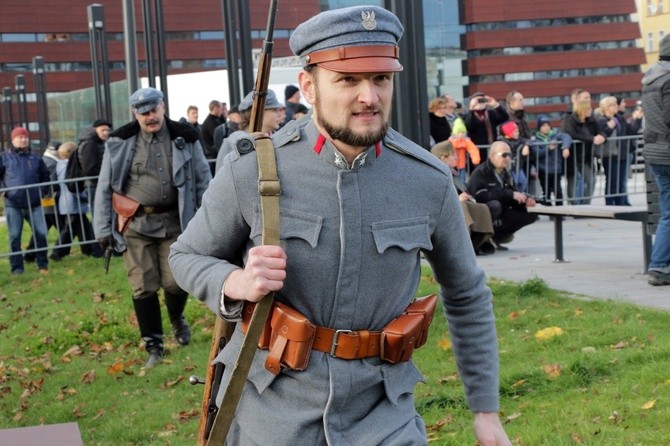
(61, 227)
(611, 173)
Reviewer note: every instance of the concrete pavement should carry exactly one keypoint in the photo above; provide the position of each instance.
(603, 260)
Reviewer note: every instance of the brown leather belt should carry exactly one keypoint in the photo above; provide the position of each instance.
(156, 209)
(343, 344)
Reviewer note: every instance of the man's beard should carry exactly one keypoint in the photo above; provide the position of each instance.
(346, 135)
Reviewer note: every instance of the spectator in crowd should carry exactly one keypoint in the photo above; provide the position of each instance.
(477, 215)
(359, 204)
(466, 152)
(613, 153)
(211, 122)
(633, 127)
(19, 166)
(89, 154)
(522, 162)
(582, 126)
(516, 109)
(551, 148)
(273, 116)
(224, 130)
(492, 183)
(153, 174)
(482, 121)
(191, 117)
(300, 111)
(656, 105)
(450, 112)
(440, 130)
(291, 101)
(49, 198)
(73, 207)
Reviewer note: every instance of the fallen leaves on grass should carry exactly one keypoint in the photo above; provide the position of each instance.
(440, 423)
(75, 350)
(516, 314)
(649, 405)
(88, 377)
(511, 417)
(548, 333)
(444, 344)
(169, 384)
(186, 415)
(552, 370)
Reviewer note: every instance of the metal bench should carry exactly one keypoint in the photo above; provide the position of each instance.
(625, 213)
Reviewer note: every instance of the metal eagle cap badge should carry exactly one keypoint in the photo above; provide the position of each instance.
(369, 21)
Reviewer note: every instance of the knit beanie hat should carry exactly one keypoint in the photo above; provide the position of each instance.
(459, 126)
(508, 128)
(20, 131)
(289, 91)
(542, 120)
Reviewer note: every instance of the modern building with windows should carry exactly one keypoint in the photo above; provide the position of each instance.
(545, 49)
(541, 48)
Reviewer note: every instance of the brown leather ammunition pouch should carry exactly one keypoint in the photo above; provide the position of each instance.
(291, 339)
(424, 306)
(125, 208)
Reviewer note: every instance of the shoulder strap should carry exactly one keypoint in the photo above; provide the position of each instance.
(269, 190)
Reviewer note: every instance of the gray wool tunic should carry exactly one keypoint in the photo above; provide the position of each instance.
(353, 238)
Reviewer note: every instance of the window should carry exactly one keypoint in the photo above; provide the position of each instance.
(650, 42)
(660, 6)
(651, 8)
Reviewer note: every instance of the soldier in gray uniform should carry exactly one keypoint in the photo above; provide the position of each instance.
(156, 166)
(359, 204)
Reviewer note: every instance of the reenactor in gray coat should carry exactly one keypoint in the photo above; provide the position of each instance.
(151, 183)
(359, 205)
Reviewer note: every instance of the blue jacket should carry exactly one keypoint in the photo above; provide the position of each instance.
(21, 169)
(551, 160)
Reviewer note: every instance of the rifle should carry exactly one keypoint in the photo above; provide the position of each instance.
(214, 425)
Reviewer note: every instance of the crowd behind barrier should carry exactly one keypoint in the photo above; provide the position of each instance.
(616, 170)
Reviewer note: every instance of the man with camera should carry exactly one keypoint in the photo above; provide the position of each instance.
(482, 121)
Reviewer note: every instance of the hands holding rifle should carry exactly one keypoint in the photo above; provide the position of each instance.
(264, 272)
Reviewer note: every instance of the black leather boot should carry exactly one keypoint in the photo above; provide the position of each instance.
(148, 311)
(175, 304)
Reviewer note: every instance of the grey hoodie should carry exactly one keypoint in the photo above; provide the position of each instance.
(656, 106)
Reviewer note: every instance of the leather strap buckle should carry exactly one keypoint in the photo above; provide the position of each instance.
(333, 345)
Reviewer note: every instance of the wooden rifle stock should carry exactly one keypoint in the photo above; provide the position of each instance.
(213, 428)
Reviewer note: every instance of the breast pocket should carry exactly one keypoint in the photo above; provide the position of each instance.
(407, 235)
(294, 225)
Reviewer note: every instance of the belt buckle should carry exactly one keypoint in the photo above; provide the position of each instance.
(149, 209)
(333, 345)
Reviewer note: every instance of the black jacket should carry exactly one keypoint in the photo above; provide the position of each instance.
(485, 185)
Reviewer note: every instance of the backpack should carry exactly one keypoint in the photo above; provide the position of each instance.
(74, 171)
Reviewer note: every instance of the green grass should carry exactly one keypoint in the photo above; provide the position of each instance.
(70, 353)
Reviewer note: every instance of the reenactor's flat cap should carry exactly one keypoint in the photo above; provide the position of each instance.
(145, 99)
(359, 39)
(270, 101)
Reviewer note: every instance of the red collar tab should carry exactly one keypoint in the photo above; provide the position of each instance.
(378, 149)
(320, 141)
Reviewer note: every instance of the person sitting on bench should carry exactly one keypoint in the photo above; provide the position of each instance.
(492, 183)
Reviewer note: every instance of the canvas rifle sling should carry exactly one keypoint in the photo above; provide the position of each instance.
(269, 190)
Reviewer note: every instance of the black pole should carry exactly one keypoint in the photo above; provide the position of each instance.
(245, 47)
(21, 99)
(232, 66)
(129, 47)
(7, 104)
(105, 75)
(160, 45)
(410, 102)
(94, 13)
(41, 92)
(149, 41)
(2, 127)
